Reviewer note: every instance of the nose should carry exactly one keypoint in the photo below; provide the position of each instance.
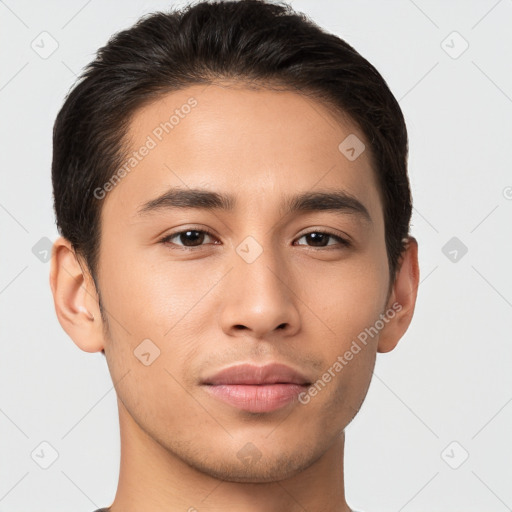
(259, 299)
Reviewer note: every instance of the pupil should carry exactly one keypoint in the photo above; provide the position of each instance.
(318, 237)
(194, 238)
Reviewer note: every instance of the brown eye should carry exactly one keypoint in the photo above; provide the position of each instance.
(320, 239)
(189, 238)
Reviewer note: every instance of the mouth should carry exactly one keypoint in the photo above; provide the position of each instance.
(257, 389)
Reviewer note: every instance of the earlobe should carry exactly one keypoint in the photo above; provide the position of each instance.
(75, 298)
(402, 298)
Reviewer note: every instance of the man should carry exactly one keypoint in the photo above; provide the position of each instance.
(231, 188)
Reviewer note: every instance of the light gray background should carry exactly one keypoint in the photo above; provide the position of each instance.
(448, 380)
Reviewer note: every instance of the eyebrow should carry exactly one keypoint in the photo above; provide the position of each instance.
(337, 201)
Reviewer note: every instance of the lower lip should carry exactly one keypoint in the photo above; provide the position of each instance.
(256, 398)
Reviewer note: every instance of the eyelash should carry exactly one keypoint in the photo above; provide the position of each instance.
(166, 240)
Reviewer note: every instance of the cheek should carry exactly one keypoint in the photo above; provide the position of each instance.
(148, 298)
(350, 296)
(148, 315)
(349, 302)
(165, 302)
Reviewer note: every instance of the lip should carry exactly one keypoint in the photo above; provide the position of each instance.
(250, 374)
(256, 388)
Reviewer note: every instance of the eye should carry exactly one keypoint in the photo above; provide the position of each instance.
(194, 238)
(320, 237)
(190, 238)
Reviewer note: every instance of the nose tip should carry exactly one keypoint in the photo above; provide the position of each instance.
(258, 302)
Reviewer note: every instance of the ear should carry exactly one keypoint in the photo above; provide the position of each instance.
(75, 298)
(402, 298)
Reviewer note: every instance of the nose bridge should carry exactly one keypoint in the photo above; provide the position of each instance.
(259, 264)
(257, 253)
(259, 297)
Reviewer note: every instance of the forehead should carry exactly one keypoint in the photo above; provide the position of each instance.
(257, 142)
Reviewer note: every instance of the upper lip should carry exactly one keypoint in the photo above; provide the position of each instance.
(252, 374)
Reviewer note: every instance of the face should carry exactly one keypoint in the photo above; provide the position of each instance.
(189, 291)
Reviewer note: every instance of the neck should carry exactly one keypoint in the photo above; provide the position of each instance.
(153, 479)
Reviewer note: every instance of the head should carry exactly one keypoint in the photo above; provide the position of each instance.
(295, 151)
